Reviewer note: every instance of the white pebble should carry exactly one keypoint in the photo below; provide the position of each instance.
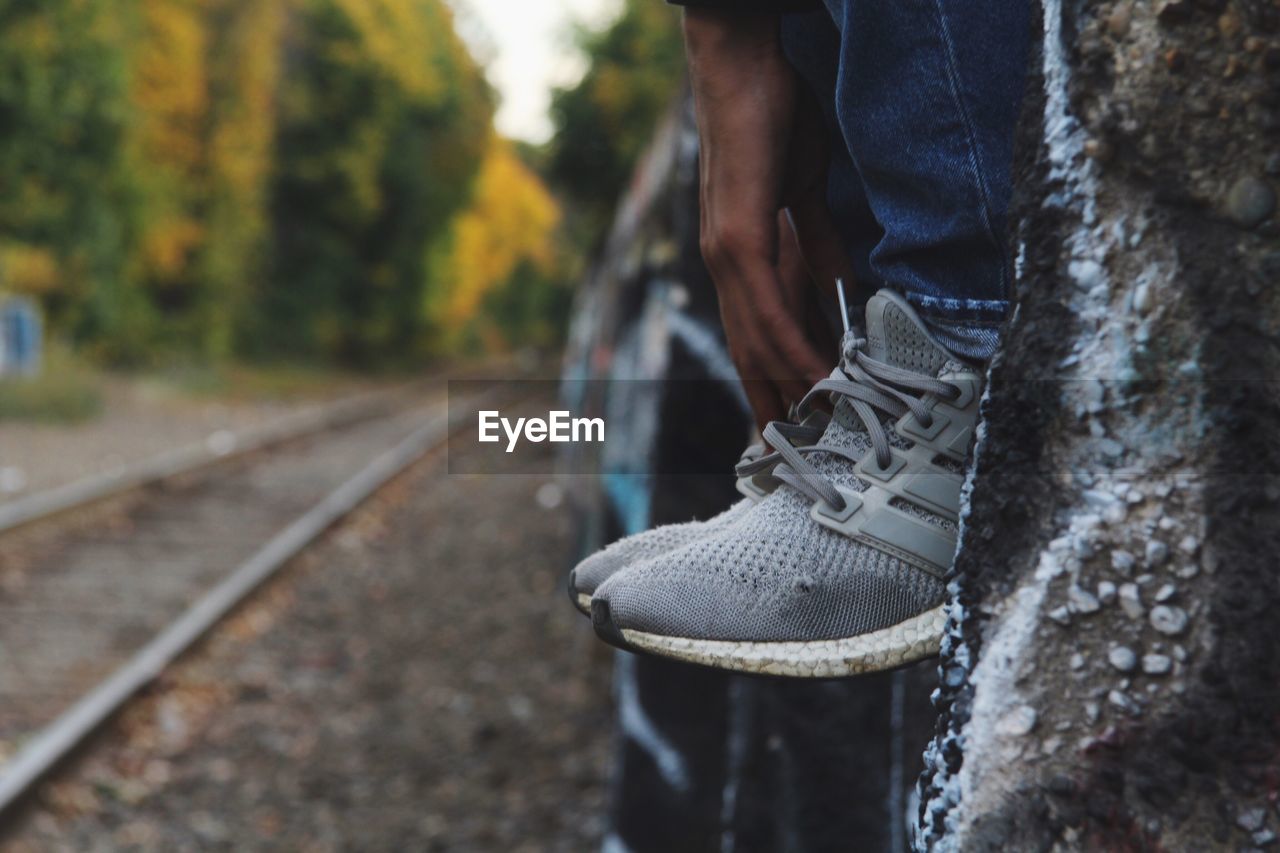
(1018, 721)
(1142, 299)
(1131, 601)
(1082, 601)
(1156, 664)
(1168, 620)
(1123, 658)
(1122, 701)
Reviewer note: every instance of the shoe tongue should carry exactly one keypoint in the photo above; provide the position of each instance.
(896, 335)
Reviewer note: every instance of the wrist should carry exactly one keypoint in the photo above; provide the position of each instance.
(742, 35)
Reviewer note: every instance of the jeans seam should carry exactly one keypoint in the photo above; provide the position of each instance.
(971, 140)
(950, 302)
(960, 312)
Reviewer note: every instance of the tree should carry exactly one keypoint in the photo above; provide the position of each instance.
(167, 146)
(384, 122)
(244, 79)
(500, 255)
(211, 178)
(604, 121)
(1111, 675)
(67, 211)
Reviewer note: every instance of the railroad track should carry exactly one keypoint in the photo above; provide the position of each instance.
(92, 617)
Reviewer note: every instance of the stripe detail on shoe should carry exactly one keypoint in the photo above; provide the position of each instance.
(868, 518)
(912, 478)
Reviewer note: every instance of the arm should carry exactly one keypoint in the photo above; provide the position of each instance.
(761, 152)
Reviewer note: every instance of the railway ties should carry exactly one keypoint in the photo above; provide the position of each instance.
(89, 618)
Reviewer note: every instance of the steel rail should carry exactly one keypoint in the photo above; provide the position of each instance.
(217, 447)
(45, 750)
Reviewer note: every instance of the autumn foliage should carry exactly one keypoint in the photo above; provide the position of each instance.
(270, 178)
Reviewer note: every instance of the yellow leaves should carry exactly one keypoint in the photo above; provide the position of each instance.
(171, 82)
(38, 34)
(204, 81)
(168, 245)
(29, 269)
(249, 60)
(512, 220)
(258, 175)
(399, 36)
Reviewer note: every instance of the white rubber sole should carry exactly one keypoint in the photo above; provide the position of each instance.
(889, 648)
(584, 603)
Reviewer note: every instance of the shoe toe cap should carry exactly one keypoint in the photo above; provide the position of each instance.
(716, 606)
(588, 575)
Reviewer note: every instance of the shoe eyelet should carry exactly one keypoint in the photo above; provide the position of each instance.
(871, 467)
(965, 390)
(920, 431)
(822, 510)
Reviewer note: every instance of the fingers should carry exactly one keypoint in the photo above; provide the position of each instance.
(805, 198)
(767, 340)
(792, 271)
(763, 291)
(765, 403)
(792, 360)
(744, 102)
(819, 243)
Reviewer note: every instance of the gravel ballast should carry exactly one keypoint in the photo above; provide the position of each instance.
(416, 680)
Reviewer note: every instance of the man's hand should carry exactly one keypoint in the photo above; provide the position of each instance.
(762, 150)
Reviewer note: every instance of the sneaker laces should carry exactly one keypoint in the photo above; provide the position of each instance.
(873, 388)
(760, 457)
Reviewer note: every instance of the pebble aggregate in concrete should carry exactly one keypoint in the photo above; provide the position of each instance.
(1131, 601)
(1156, 664)
(1250, 201)
(1081, 600)
(1168, 620)
(1123, 658)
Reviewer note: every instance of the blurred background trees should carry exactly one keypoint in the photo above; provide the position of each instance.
(604, 121)
(309, 180)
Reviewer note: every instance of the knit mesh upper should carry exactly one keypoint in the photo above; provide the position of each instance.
(597, 568)
(771, 573)
(906, 344)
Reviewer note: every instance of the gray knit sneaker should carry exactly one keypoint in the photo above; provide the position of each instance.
(755, 481)
(839, 570)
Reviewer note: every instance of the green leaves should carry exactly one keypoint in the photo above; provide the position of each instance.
(218, 177)
(604, 122)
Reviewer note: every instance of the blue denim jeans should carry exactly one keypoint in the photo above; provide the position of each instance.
(921, 99)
